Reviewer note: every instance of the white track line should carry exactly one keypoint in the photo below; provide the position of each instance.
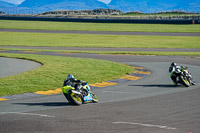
(41, 115)
(146, 125)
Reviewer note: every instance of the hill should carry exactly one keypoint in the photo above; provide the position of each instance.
(84, 12)
(155, 5)
(16, 2)
(146, 6)
(48, 5)
(4, 4)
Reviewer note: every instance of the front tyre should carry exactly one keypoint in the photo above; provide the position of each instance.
(94, 97)
(75, 99)
(184, 81)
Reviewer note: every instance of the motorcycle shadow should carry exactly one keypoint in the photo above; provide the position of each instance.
(159, 85)
(49, 104)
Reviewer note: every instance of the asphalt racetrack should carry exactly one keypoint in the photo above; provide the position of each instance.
(10, 66)
(104, 32)
(148, 105)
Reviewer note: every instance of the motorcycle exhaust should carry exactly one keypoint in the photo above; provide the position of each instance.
(76, 92)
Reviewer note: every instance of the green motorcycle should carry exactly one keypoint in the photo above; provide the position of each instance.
(79, 93)
(184, 76)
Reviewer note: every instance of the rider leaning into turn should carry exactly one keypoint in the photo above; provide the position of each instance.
(70, 81)
(173, 70)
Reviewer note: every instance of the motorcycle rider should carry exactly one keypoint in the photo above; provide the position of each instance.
(70, 80)
(174, 70)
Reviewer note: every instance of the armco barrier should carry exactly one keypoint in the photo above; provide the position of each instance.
(97, 20)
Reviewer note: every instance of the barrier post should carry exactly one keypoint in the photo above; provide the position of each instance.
(193, 21)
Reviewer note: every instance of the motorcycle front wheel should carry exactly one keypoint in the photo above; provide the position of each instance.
(94, 97)
(184, 81)
(75, 99)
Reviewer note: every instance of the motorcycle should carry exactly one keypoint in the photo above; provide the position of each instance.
(79, 94)
(184, 76)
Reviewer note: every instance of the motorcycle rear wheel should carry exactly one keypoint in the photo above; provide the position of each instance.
(67, 97)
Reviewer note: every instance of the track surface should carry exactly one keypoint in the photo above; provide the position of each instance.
(149, 105)
(10, 66)
(107, 49)
(105, 32)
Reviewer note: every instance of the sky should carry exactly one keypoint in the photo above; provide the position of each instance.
(20, 1)
(14, 1)
(105, 1)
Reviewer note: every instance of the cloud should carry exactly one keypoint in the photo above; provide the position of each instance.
(14, 1)
(105, 1)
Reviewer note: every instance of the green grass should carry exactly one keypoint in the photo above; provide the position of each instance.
(55, 69)
(80, 40)
(41, 25)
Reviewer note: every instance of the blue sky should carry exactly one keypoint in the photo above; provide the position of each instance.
(13, 1)
(106, 1)
(20, 1)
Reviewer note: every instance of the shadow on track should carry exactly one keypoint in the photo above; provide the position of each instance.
(157, 85)
(50, 104)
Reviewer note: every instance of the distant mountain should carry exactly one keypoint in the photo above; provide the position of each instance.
(4, 4)
(100, 11)
(48, 5)
(38, 3)
(146, 6)
(14, 1)
(155, 5)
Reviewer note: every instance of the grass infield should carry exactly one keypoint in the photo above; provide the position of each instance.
(55, 69)
(42, 25)
(80, 40)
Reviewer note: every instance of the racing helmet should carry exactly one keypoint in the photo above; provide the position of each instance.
(173, 64)
(70, 76)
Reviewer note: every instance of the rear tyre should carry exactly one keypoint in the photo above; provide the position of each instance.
(67, 97)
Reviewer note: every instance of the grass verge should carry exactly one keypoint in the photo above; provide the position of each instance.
(80, 40)
(41, 25)
(55, 69)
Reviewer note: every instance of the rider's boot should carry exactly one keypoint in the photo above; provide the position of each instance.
(193, 83)
(175, 83)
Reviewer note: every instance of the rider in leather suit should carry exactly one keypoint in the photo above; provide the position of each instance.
(70, 80)
(173, 73)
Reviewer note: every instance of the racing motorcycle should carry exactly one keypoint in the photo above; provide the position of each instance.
(184, 76)
(79, 94)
